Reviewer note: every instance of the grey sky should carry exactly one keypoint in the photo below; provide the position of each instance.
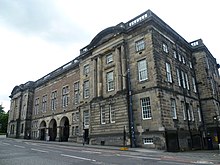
(38, 36)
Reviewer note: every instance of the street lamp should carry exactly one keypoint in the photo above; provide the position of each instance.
(216, 120)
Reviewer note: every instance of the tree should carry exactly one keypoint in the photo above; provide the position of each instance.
(3, 120)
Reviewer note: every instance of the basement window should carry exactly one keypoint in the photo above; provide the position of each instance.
(148, 141)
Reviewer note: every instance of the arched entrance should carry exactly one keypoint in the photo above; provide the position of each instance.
(53, 130)
(64, 129)
(42, 130)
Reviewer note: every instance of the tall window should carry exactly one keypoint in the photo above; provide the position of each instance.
(187, 81)
(168, 73)
(44, 103)
(112, 114)
(65, 96)
(183, 110)
(102, 113)
(142, 70)
(165, 48)
(146, 108)
(110, 81)
(36, 106)
(178, 77)
(173, 108)
(174, 54)
(140, 45)
(192, 112)
(86, 69)
(54, 100)
(86, 118)
(109, 58)
(183, 79)
(86, 89)
(199, 114)
(194, 84)
(76, 93)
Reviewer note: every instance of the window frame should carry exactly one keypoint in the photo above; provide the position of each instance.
(86, 91)
(110, 81)
(140, 45)
(142, 72)
(168, 72)
(109, 60)
(173, 109)
(146, 108)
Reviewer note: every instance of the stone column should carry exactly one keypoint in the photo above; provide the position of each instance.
(58, 133)
(95, 77)
(119, 76)
(123, 67)
(99, 76)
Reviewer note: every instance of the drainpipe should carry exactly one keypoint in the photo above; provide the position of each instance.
(130, 108)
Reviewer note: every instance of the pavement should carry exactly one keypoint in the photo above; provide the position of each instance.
(197, 156)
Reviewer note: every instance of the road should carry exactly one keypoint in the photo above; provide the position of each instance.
(18, 152)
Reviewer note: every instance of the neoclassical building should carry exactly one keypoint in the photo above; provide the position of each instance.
(137, 84)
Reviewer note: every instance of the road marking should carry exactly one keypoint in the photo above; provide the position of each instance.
(76, 157)
(93, 152)
(38, 150)
(6, 144)
(19, 146)
(141, 157)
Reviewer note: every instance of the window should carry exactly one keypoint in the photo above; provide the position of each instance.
(174, 54)
(77, 130)
(110, 81)
(86, 89)
(183, 59)
(112, 114)
(178, 77)
(199, 114)
(86, 118)
(187, 81)
(168, 73)
(183, 79)
(75, 116)
(76, 93)
(109, 58)
(148, 141)
(142, 70)
(190, 64)
(65, 97)
(194, 84)
(192, 112)
(36, 106)
(165, 48)
(140, 45)
(73, 130)
(102, 113)
(54, 100)
(44, 103)
(173, 108)
(146, 108)
(179, 57)
(183, 110)
(86, 70)
(22, 128)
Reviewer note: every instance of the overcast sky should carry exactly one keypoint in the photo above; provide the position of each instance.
(38, 36)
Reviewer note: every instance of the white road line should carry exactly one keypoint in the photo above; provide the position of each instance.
(93, 152)
(141, 157)
(76, 157)
(38, 150)
(19, 146)
(6, 144)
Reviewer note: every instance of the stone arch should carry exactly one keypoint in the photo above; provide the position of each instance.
(42, 130)
(64, 129)
(52, 132)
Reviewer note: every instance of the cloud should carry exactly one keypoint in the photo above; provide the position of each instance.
(41, 18)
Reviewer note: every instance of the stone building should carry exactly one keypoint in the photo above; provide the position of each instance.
(138, 83)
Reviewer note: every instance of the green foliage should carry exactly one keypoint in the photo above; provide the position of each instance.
(3, 120)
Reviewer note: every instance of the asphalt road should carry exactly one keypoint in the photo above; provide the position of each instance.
(18, 152)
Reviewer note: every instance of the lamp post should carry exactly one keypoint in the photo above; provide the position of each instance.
(216, 120)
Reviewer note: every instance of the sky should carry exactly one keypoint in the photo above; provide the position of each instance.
(38, 36)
